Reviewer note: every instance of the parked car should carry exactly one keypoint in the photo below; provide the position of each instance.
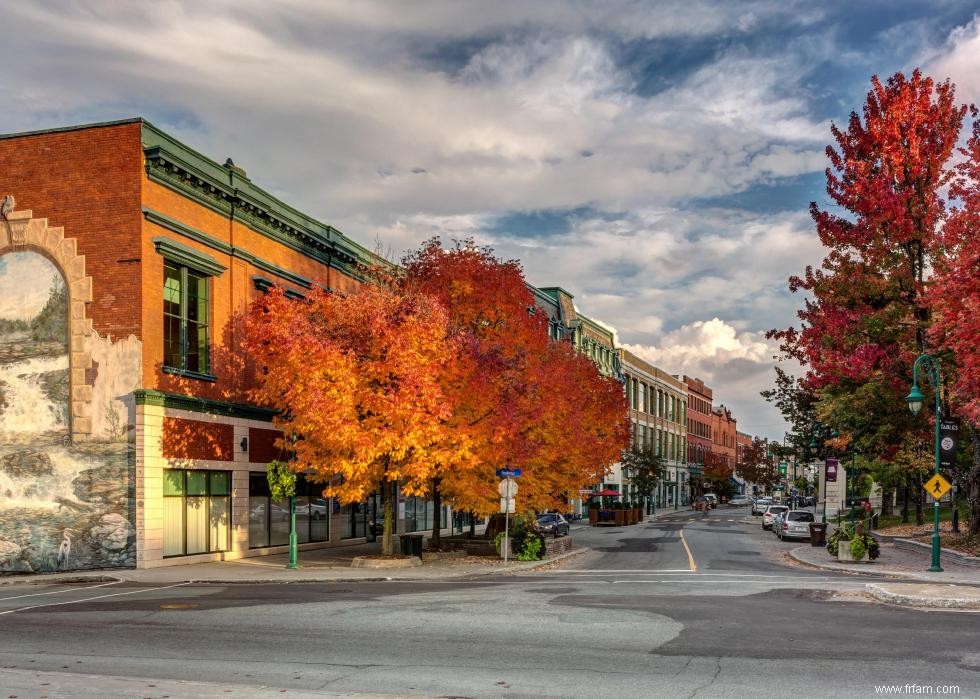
(770, 514)
(739, 500)
(553, 524)
(712, 499)
(794, 524)
(760, 505)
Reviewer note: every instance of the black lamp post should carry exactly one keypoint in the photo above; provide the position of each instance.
(916, 400)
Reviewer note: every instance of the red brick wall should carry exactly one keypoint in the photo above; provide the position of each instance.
(231, 293)
(192, 439)
(87, 181)
(262, 445)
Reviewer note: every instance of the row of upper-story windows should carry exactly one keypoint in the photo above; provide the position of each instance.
(699, 429)
(724, 439)
(600, 354)
(654, 401)
(669, 445)
(699, 405)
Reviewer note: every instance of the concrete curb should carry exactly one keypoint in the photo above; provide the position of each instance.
(301, 576)
(908, 599)
(843, 569)
(948, 554)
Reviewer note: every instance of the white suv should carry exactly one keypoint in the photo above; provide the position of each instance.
(770, 514)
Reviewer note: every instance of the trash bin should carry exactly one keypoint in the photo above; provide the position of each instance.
(411, 544)
(818, 534)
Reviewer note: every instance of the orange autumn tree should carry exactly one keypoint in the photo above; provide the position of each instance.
(526, 401)
(488, 303)
(578, 426)
(356, 381)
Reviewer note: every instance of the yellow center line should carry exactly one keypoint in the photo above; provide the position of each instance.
(690, 557)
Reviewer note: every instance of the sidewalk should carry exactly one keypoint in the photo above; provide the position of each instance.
(957, 587)
(321, 565)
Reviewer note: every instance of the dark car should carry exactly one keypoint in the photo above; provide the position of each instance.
(553, 524)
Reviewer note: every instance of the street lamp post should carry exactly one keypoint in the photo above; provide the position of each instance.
(915, 400)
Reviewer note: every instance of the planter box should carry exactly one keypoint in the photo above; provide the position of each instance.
(844, 553)
(620, 517)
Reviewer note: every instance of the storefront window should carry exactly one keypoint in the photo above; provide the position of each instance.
(268, 519)
(196, 512)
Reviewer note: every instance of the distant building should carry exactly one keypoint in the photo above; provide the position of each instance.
(658, 414)
(723, 439)
(699, 420)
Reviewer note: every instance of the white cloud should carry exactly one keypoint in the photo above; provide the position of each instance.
(706, 345)
(959, 60)
(735, 365)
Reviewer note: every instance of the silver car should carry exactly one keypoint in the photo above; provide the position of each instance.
(760, 505)
(770, 514)
(794, 524)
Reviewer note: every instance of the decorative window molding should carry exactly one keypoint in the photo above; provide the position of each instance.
(188, 256)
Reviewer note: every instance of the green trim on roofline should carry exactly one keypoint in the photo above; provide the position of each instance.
(227, 190)
(221, 246)
(176, 401)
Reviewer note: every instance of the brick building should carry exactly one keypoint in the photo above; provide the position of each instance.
(723, 438)
(699, 421)
(126, 433)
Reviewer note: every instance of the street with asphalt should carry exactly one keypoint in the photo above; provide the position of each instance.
(686, 605)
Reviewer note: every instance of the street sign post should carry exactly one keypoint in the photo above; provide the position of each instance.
(937, 486)
(507, 489)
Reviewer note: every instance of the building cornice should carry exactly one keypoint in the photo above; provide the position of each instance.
(176, 401)
(228, 191)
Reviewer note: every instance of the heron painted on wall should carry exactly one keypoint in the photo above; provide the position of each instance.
(64, 550)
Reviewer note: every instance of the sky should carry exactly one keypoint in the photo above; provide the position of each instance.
(655, 159)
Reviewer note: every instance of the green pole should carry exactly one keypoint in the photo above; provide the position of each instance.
(293, 556)
(936, 567)
(677, 488)
(915, 402)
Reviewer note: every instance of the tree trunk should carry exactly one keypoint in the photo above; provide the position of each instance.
(388, 493)
(886, 500)
(973, 483)
(905, 500)
(436, 541)
(472, 524)
(920, 517)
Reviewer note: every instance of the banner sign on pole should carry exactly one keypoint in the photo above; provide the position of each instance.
(832, 465)
(949, 435)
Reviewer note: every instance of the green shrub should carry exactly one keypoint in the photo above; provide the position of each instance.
(858, 548)
(533, 548)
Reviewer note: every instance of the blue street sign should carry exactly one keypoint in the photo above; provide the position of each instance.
(508, 472)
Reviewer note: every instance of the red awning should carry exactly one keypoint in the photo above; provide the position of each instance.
(607, 493)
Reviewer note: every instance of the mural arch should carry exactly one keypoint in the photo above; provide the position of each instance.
(20, 232)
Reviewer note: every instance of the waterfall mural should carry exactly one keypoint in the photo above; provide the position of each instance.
(64, 504)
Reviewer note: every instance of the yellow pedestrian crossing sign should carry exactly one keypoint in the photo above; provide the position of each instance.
(937, 486)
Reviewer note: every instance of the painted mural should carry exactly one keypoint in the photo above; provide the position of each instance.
(64, 505)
